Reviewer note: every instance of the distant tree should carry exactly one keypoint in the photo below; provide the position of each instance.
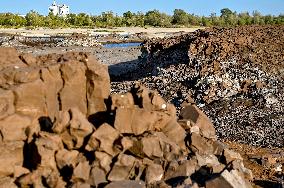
(180, 17)
(157, 19)
(34, 19)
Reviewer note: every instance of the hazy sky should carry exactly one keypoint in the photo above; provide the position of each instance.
(199, 7)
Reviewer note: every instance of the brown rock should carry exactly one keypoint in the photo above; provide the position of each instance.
(66, 158)
(126, 184)
(103, 160)
(12, 123)
(6, 103)
(47, 145)
(81, 185)
(134, 120)
(53, 82)
(81, 172)
(62, 122)
(29, 102)
(98, 85)
(97, 176)
(186, 169)
(231, 156)
(198, 118)
(228, 180)
(105, 135)
(122, 168)
(154, 173)
(73, 93)
(11, 157)
(10, 57)
(122, 100)
(200, 145)
(152, 147)
(7, 182)
(80, 127)
(28, 59)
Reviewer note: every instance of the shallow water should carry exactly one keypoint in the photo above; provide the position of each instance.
(121, 45)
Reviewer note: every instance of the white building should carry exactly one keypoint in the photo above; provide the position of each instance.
(61, 10)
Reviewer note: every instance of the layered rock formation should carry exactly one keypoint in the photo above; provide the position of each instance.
(60, 128)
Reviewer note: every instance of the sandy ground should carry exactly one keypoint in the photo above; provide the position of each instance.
(151, 32)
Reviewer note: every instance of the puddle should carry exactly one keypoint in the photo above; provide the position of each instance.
(122, 45)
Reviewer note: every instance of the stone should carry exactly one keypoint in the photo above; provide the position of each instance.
(122, 168)
(200, 145)
(46, 146)
(28, 102)
(198, 118)
(154, 173)
(12, 123)
(230, 156)
(62, 122)
(97, 176)
(80, 127)
(122, 100)
(11, 157)
(98, 85)
(152, 147)
(186, 169)
(104, 160)
(66, 158)
(105, 135)
(126, 184)
(81, 172)
(7, 182)
(19, 171)
(73, 93)
(228, 180)
(6, 103)
(10, 57)
(81, 185)
(134, 120)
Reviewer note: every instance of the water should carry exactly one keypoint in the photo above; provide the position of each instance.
(122, 45)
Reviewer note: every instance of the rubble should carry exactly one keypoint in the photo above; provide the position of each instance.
(234, 75)
(130, 141)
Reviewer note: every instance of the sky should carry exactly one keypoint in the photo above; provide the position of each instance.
(95, 7)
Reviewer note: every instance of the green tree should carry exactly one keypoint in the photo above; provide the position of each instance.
(157, 19)
(180, 17)
(34, 19)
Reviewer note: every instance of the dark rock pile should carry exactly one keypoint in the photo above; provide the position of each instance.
(234, 74)
(60, 128)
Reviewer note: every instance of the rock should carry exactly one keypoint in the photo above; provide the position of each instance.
(198, 118)
(229, 180)
(134, 120)
(122, 100)
(152, 147)
(12, 123)
(186, 169)
(103, 160)
(126, 184)
(98, 85)
(200, 145)
(7, 182)
(62, 122)
(66, 158)
(154, 173)
(6, 103)
(11, 157)
(81, 172)
(97, 176)
(122, 168)
(80, 185)
(10, 57)
(46, 146)
(105, 135)
(231, 156)
(80, 127)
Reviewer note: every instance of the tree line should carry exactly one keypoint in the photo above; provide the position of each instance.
(153, 18)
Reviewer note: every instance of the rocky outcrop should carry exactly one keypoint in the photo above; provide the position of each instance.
(60, 128)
